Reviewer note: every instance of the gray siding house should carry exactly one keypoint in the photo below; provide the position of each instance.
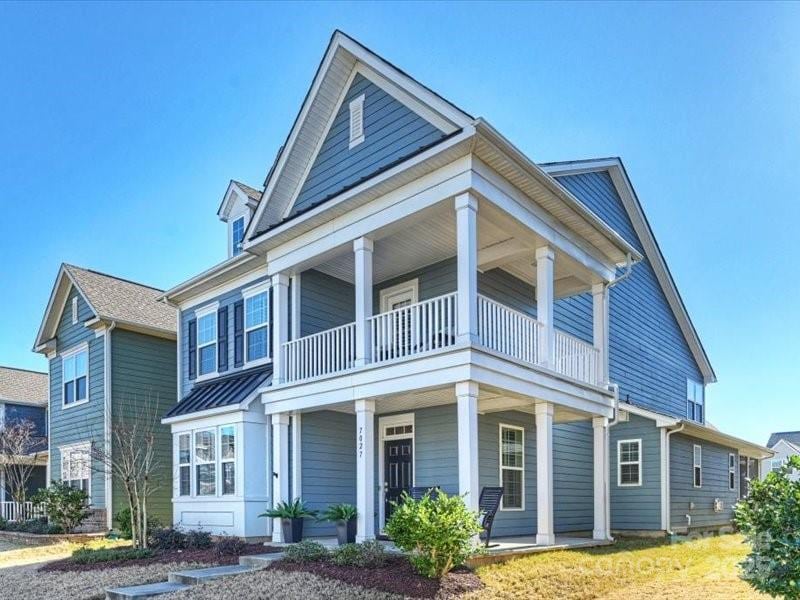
(411, 301)
(111, 349)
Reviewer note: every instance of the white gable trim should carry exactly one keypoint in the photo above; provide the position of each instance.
(55, 308)
(643, 230)
(232, 194)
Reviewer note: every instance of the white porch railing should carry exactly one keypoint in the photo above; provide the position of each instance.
(575, 358)
(323, 353)
(413, 329)
(20, 511)
(508, 331)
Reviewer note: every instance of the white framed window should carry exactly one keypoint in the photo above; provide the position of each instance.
(776, 464)
(629, 463)
(207, 341)
(205, 463)
(227, 458)
(357, 121)
(75, 310)
(185, 464)
(697, 464)
(695, 398)
(400, 295)
(512, 467)
(256, 322)
(76, 466)
(237, 236)
(731, 471)
(75, 376)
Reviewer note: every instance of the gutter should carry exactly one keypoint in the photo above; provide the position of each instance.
(107, 419)
(666, 492)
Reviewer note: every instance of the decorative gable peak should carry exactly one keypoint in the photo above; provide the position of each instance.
(238, 205)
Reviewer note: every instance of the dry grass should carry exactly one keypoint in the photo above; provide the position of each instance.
(631, 569)
(26, 555)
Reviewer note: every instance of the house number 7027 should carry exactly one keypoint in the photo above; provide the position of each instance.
(360, 442)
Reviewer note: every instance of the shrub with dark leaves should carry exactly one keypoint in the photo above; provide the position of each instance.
(198, 540)
(37, 526)
(229, 546)
(167, 538)
(306, 551)
(85, 556)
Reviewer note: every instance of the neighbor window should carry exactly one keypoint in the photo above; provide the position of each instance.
(76, 466)
(698, 466)
(185, 464)
(512, 467)
(227, 436)
(694, 395)
(207, 343)
(75, 377)
(357, 121)
(776, 463)
(731, 471)
(205, 463)
(255, 325)
(629, 462)
(237, 236)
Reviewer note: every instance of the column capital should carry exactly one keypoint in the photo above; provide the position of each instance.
(545, 252)
(599, 422)
(466, 200)
(280, 279)
(280, 419)
(544, 409)
(599, 288)
(467, 388)
(363, 406)
(363, 244)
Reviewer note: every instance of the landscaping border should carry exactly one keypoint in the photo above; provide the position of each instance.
(42, 539)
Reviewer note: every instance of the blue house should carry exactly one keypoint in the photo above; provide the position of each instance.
(411, 301)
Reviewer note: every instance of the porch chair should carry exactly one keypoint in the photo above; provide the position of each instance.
(488, 504)
(417, 493)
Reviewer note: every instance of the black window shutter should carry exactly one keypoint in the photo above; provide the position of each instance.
(222, 339)
(238, 333)
(192, 348)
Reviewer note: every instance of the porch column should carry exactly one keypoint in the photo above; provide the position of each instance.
(545, 535)
(467, 398)
(297, 459)
(467, 248)
(294, 300)
(544, 304)
(600, 328)
(365, 470)
(362, 247)
(280, 467)
(280, 325)
(600, 460)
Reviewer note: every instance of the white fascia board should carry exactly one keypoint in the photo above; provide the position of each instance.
(213, 417)
(712, 435)
(659, 419)
(212, 279)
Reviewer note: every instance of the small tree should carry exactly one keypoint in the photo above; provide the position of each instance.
(19, 450)
(65, 506)
(769, 518)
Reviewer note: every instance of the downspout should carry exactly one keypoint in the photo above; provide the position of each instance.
(107, 420)
(665, 467)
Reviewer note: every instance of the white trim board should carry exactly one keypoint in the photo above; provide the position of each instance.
(383, 423)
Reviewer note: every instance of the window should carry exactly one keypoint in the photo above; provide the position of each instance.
(76, 466)
(75, 311)
(629, 463)
(698, 466)
(731, 471)
(255, 325)
(207, 343)
(695, 399)
(205, 463)
(74, 368)
(512, 467)
(227, 453)
(357, 121)
(237, 236)
(776, 464)
(184, 465)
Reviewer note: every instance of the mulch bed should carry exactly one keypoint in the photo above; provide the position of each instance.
(397, 577)
(205, 556)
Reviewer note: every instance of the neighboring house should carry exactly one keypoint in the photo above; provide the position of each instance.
(111, 347)
(23, 398)
(412, 301)
(785, 444)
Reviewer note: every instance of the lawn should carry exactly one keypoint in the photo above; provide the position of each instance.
(15, 554)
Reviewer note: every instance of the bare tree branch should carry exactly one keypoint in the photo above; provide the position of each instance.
(20, 449)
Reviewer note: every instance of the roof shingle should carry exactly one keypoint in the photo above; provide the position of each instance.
(793, 437)
(19, 385)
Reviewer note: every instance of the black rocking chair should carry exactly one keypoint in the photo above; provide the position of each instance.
(488, 505)
(417, 493)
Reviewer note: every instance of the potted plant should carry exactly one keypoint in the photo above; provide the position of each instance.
(291, 515)
(344, 515)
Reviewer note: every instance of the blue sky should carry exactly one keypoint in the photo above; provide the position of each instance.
(121, 125)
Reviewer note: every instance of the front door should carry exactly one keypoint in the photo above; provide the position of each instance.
(397, 470)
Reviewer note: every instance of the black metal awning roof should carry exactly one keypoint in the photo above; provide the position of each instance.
(228, 390)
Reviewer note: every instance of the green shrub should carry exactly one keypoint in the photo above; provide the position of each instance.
(438, 533)
(167, 538)
(85, 556)
(198, 540)
(769, 518)
(65, 506)
(229, 546)
(306, 551)
(38, 526)
(367, 555)
(123, 522)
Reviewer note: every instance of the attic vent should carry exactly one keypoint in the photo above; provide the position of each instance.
(357, 121)
(75, 311)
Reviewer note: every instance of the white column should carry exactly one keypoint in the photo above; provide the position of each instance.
(544, 304)
(362, 247)
(600, 459)
(545, 535)
(365, 469)
(295, 302)
(600, 328)
(467, 247)
(297, 458)
(280, 467)
(280, 325)
(467, 399)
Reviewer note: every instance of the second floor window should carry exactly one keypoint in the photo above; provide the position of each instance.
(207, 343)
(695, 400)
(75, 377)
(255, 326)
(237, 236)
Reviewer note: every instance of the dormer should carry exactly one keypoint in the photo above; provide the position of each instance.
(238, 205)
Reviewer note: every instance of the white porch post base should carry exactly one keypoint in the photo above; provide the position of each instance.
(600, 460)
(545, 533)
(467, 398)
(365, 470)
(280, 467)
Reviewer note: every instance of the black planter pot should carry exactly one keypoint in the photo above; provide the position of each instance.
(346, 532)
(292, 530)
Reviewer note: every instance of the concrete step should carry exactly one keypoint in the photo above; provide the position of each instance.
(143, 591)
(260, 560)
(195, 576)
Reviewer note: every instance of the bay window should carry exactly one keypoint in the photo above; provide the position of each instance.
(205, 463)
(184, 465)
(228, 459)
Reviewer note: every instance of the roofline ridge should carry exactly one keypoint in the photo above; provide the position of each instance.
(25, 370)
(117, 277)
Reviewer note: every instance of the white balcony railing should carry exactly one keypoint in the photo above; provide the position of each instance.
(20, 511)
(508, 331)
(413, 329)
(323, 353)
(575, 358)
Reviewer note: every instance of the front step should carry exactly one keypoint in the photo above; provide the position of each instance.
(195, 576)
(260, 560)
(138, 592)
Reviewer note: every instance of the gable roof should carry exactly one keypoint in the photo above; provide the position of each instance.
(129, 304)
(250, 195)
(23, 386)
(615, 168)
(791, 437)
